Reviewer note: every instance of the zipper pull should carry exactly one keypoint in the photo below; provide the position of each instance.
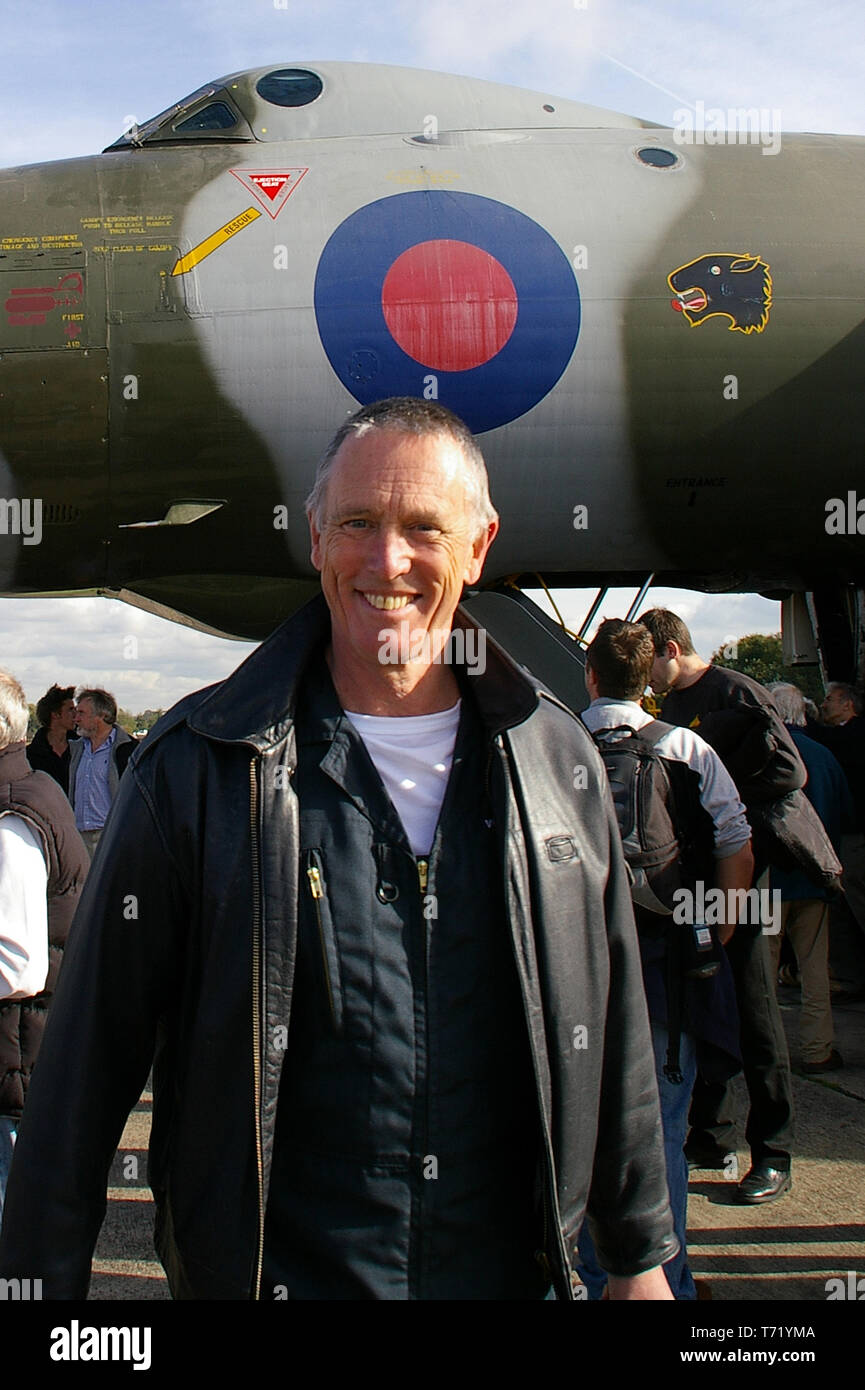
(423, 874)
(315, 881)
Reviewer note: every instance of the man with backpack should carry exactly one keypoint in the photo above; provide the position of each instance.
(655, 770)
(737, 716)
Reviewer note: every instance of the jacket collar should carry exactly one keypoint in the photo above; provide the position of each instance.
(607, 713)
(14, 764)
(256, 704)
(109, 742)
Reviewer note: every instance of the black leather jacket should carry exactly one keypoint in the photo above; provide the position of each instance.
(185, 943)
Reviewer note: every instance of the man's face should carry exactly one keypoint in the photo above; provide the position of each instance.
(86, 721)
(665, 669)
(836, 708)
(65, 716)
(398, 540)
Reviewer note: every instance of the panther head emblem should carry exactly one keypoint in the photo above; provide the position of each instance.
(738, 287)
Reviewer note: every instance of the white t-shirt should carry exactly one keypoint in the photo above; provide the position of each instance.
(23, 911)
(413, 758)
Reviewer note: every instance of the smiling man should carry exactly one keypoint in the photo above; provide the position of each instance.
(380, 936)
(394, 560)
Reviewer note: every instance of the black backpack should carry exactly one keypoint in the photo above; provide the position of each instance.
(649, 806)
(644, 801)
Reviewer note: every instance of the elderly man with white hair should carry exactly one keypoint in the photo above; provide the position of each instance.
(43, 865)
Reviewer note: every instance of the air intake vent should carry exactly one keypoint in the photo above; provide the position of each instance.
(59, 513)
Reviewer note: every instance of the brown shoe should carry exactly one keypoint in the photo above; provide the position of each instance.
(831, 1063)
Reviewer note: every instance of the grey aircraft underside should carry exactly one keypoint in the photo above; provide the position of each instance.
(657, 335)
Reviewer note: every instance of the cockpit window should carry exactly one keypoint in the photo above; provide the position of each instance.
(136, 135)
(216, 116)
(289, 87)
(209, 121)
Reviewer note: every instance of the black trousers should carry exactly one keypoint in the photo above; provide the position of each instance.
(766, 1063)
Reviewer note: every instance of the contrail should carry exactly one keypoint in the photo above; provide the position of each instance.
(643, 78)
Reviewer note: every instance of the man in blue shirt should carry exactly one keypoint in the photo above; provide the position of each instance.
(97, 761)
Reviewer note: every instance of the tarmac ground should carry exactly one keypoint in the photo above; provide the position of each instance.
(790, 1248)
(787, 1249)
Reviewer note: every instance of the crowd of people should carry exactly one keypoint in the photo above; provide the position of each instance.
(47, 839)
(371, 921)
(81, 745)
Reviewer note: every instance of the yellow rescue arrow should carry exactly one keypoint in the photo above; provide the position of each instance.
(213, 242)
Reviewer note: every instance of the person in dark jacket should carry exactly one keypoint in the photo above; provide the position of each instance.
(49, 751)
(43, 866)
(709, 698)
(804, 903)
(618, 667)
(383, 946)
(843, 733)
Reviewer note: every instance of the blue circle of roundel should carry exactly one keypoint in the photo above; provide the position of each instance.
(371, 364)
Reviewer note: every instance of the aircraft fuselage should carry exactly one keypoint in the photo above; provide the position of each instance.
(665, 364)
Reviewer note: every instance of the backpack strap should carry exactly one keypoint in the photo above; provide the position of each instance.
(653, 732)
(606, 735)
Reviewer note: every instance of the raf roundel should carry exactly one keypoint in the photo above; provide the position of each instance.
(450, 286)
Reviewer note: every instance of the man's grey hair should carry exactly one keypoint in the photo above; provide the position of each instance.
(104, 704)
(409, 415)
(789, 702)
(14, 714)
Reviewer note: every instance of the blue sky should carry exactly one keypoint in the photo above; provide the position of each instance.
(75, 72)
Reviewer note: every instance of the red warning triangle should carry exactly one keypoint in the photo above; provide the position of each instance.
(270, 187)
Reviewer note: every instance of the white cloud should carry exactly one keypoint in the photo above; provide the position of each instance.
(85, 642)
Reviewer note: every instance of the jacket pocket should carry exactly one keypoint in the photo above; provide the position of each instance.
(317, 887)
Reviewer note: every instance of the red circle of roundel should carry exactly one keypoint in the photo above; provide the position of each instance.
(449, 305)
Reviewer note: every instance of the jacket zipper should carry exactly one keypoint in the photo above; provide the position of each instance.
(548, 1188)
(256, 1015)
(416, 1264)
(316, 888)
(423, 874)
(541, 1255)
